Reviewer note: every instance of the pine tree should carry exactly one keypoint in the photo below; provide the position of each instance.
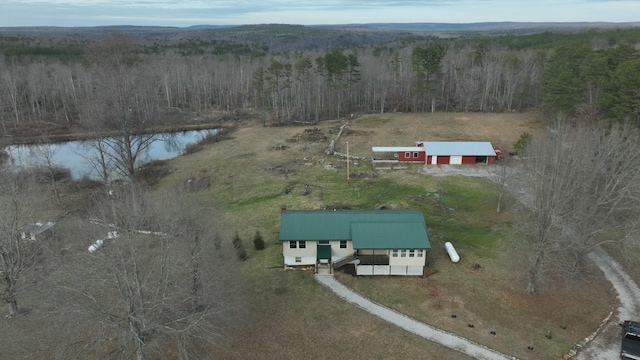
(258, 241)
(240, 251)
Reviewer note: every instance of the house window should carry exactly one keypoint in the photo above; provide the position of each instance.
(403, 253)
(299, 244)
(394, 253)
(415, 155)
(407, 155)
(298, 259)
(323, 242)
(343, 244)
(412, 253)
(420, 253)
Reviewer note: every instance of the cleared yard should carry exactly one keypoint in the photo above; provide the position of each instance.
(290, 316)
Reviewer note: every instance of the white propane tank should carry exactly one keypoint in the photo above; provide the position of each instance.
(453, 254)
(96, 246)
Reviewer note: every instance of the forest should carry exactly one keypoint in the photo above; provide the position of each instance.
(300, 74)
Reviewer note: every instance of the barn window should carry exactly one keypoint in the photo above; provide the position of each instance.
(412, 253)
(292, 245)
(407, 155)
(298, 259)
(403, 253)
(394, 253)
(302, 244)
(343, 244)
(415, 155)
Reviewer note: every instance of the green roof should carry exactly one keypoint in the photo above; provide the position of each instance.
(368, 229)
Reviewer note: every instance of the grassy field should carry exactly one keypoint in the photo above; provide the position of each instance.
(247, 179)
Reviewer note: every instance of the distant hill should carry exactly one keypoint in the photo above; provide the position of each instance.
(265, 38)
(501, 26)
(196, 30)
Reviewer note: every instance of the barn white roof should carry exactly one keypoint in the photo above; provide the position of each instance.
(464, 148)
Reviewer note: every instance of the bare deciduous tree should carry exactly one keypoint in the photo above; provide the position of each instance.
(161, 288)
(20, 256)
(582, 181)
(51, 172)
(500, 174)
(123, 108)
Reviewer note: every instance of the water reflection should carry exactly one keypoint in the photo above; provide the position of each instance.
(80, 156)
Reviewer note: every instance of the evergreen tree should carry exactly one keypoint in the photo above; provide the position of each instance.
(563, 86)
(241, 253)
(258, 241)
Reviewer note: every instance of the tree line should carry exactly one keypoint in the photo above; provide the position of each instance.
(309, 86)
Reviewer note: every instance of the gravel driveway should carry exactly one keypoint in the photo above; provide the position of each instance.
(449, 340)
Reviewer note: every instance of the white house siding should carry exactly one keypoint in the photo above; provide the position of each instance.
(406, 261)
(337, 253)
(308, 254)
(373, 270)
(304, 260)
(455, 160)
(364, 270)
(398, 270)
(389, 270)
(415, 270)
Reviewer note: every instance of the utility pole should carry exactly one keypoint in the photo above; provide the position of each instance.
(348, 162)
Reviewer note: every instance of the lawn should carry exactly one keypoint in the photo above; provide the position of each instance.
(247, 178)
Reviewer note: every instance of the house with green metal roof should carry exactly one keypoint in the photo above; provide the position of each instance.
(376, 242)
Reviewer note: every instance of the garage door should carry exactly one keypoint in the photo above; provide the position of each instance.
(443, 160)
(456, 160)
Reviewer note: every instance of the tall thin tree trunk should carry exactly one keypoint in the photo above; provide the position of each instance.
(10, 284)
(534, 270)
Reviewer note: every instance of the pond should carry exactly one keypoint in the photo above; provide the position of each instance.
(77, 155)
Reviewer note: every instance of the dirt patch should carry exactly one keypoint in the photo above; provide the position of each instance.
(312, 135)
(362, 175)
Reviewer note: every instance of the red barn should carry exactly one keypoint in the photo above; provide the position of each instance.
(458, 152)
(435, 152)
(398, 154)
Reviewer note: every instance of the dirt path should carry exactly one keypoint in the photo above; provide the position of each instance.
(444, 338)
(606, 344)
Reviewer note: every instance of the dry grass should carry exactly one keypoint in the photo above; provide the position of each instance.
(502, 130)
(290, 316)
(492, 300)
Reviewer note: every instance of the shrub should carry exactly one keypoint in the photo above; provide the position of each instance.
(241, 253)
(522, 142)
(258, 241)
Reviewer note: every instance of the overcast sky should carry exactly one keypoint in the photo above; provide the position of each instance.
(307, 12)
